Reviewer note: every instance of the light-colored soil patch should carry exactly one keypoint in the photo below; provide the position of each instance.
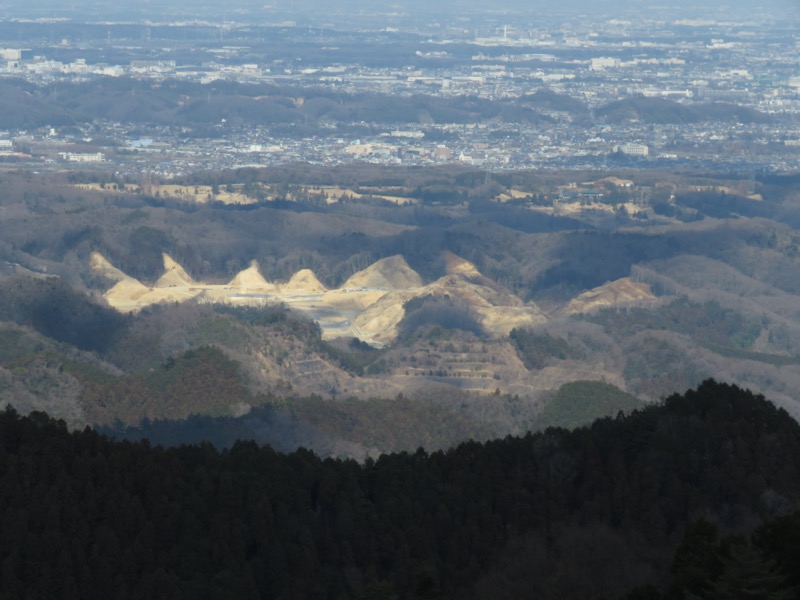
(621, 292)
(369, 306)
(233, 194)
(250, 279)
(391, 273)
(337, 194)
(186, 193)
(513, 194)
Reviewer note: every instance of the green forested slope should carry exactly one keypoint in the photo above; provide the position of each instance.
(580, 402)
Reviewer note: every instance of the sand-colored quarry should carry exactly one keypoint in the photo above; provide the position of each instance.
(496, 309)
(188, 193)
(335, 194)
(251, 280)
(235, 194)
(369, 305)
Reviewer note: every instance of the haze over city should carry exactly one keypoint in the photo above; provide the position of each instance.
(317, 11)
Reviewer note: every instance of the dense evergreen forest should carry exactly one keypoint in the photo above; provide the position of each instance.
(692, 497)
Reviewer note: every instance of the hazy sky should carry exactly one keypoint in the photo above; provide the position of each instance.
(159, 9)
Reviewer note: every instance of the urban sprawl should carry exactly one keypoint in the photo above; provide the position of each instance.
(750, 65)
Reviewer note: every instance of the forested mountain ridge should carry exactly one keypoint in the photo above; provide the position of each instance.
(702, 283)
(190, 104)
(585, 514)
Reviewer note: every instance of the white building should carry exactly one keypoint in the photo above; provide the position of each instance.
(633, 149)
(603, 62)
(82, 157)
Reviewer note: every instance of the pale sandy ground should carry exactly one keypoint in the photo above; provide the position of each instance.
(335, 194)
(205, 193)
(369, 305)
(615, 293)
(191, 193)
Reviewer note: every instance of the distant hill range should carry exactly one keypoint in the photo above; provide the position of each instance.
(26, 106)
(665, 111)
(364, 327)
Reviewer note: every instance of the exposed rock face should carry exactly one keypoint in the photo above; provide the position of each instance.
(614, 293)
(391, 273)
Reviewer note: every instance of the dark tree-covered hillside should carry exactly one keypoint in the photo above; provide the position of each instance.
(586, 514)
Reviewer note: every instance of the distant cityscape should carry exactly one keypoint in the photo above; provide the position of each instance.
(741, 77)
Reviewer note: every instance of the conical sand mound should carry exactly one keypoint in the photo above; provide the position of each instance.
(128, 289)
(455, 265)
(101, 266)
(127, 292)
(250, 279)
(391, 273)
(304, 282)
(174, 274)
